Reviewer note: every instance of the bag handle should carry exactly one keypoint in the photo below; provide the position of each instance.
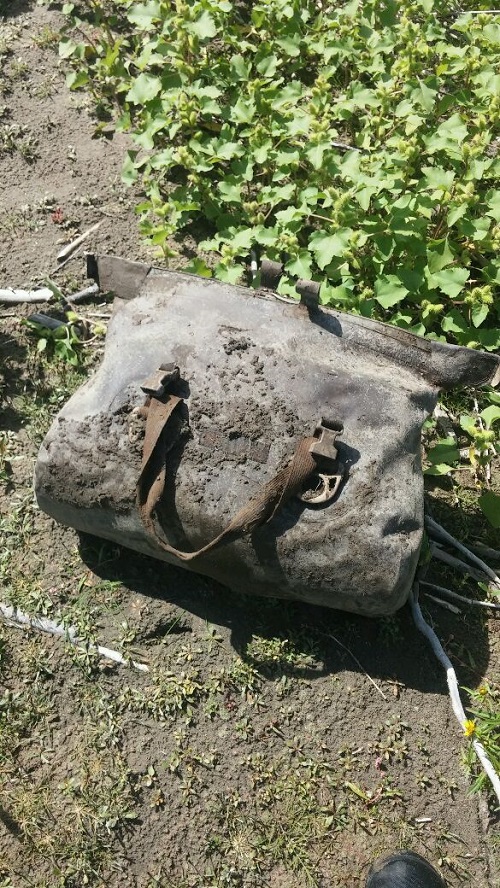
(260, 508)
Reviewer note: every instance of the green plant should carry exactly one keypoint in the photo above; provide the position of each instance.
(61, 343)
(14, 137)
(282, 653)
(481, 440)
(7, 450)
(485, 727)
(356, 143)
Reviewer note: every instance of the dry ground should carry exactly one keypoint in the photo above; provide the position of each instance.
(270, 745)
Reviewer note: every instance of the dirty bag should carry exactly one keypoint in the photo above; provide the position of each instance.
(274, 447)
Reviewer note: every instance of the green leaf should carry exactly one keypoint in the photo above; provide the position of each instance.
(243, 111)
(129, 170)
(389, 290)
(290, 45)
(364, 196)
(230, 189)
(468, 424)
(445, 451)
(489, 338)
(455, 214)
(144, 14)
(452, 130)
(203, 27)
(479, 313)
(240, 67)
(229, 275)
(438, 469)
(301, 265)
(199, 267)
(291, 214)
(66, 48)
(243, 239)
(494, 206)
(268, 65)
(76, 79)
(144, 88)
(326, 246)
(329, 295)
(450, 280)
(438, 178)
(490, 415)
(439, 256)
(454, 322)
(476, 229)
(385, 245)
(426, 96)
(315, 154)
(267, 237)
(489, 504)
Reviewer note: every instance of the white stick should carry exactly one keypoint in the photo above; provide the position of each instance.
(441, 555)
(451, 678)
(434, 528)
(92, 290)
(480, 549)
(462, 598)
(62, 265)
(15, 297)
(444, 604)
(18, 618)
(70, 248)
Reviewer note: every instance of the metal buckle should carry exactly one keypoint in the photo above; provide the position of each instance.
(156, 384)
(326, 453)
(326, 434)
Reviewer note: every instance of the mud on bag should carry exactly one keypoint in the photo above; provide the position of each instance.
(272, 446)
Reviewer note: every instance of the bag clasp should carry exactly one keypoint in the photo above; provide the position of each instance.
(325, 451)
(156, 385)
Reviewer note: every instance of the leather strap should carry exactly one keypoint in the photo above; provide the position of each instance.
(260, 509)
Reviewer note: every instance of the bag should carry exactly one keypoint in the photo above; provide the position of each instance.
(274, 447)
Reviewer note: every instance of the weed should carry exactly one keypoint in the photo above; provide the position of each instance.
(392, 744)
(47, 37)
(45, 88)
(283, 653)
(22, 219)
(7, 454)
(241, 677)
(18, 69)
(61, 343)
(14, 137)
(485, 727)
(168, 695)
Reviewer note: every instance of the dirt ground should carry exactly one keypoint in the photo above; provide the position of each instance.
(271, 744)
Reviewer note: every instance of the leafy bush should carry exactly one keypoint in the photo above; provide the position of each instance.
(355, 142)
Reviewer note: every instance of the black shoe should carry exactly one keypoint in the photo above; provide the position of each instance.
(404, 870)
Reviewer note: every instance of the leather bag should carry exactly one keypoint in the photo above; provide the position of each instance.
(273, 446)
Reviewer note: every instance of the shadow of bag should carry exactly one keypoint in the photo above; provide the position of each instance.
(272, 446)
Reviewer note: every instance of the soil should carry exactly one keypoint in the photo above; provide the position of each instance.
(361, 703)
